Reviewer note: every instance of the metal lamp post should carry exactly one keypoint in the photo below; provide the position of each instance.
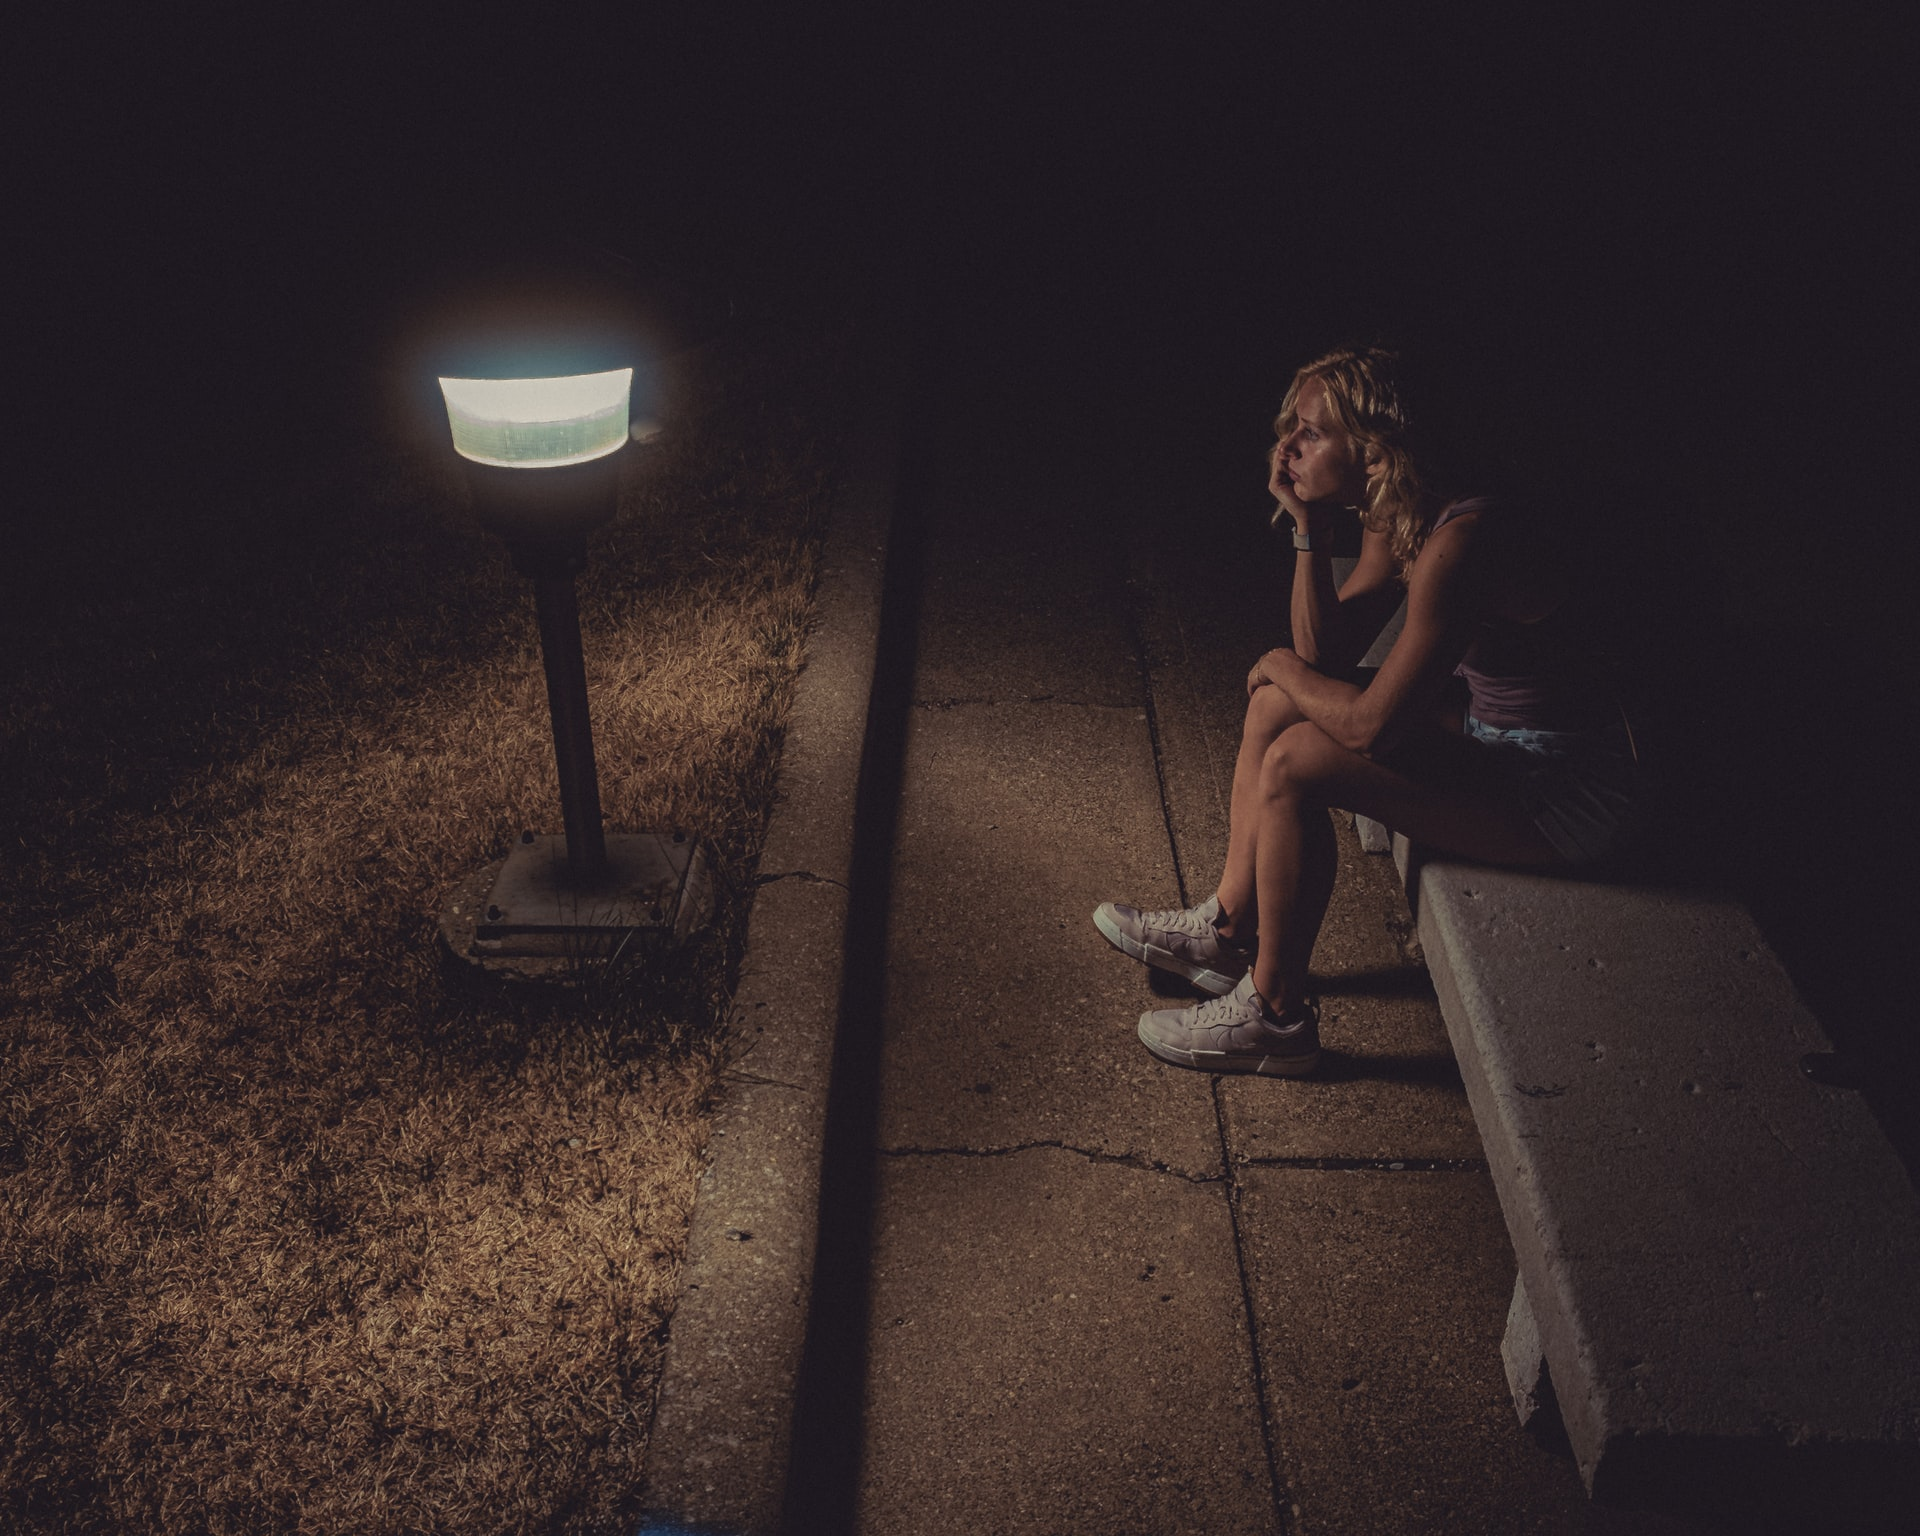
(541, 441)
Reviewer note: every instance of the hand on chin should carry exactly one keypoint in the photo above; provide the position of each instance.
(1286, 494)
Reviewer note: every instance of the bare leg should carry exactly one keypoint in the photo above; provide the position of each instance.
(1435, 791)
(1269, 712)
(1297, 858)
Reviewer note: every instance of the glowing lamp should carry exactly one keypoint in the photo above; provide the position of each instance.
(541, 449)
(539, 423)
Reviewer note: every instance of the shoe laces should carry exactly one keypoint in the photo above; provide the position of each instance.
(1181, 920)
(1307, 1010)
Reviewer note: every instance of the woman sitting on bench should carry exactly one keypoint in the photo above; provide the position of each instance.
(1530, 775)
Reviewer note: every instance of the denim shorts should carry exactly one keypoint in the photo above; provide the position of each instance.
(1579, 789)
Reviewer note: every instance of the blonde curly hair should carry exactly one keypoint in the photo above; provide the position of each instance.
(1365, 394)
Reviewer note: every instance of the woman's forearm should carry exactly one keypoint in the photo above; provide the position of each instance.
(1314, 610)
(1338, 708)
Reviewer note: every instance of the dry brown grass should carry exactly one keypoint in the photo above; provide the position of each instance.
(300, 1230)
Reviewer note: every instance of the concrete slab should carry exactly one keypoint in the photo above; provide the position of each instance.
(1373, 835)
(1199, 739)
(1379, 1301)
(1199, 652)
(1212, 610)
(1387, 1087)
(1058, 1345)
(1014, 608)
(1010, 1020)
(1741, 1292)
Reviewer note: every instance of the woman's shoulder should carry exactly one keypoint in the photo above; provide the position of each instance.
(1466, 506)
(1464, 524)
(1526, 556)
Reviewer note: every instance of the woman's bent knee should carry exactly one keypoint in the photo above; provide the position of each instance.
(1296, 761)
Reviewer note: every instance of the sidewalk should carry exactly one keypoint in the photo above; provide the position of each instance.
(1092, 1293)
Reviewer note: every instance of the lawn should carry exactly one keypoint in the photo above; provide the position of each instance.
(303, 1227)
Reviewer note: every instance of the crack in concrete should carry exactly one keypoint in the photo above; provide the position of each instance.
(968, 701)
(755, 1080)
(1368, 1164)
(1201, 729)
(1280, 1492)
(798, 874)
(1127, 1159)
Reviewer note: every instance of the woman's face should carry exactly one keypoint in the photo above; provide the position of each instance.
(1317, 461)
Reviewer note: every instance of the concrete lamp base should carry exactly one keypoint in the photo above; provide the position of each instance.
(527, 915)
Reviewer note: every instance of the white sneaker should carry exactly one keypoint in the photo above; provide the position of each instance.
(1235, 1033)
(1183, 941)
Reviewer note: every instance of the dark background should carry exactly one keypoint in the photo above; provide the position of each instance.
(1664, 255)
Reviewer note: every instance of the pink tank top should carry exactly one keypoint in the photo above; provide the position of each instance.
(1542, 676)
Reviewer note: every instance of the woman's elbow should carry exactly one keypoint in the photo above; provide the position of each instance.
(1376, 732)
(1360, 734)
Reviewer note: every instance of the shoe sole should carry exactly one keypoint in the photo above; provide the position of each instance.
(1213, 983)
(1220, 1061)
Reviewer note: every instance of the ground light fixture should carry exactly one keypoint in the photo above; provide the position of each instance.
(540, 432)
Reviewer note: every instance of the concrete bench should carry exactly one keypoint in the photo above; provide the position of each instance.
(1719, 1255)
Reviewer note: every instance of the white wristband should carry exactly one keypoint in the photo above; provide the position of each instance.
(1302, 541)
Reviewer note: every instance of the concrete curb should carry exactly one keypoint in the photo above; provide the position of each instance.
(722, 1426)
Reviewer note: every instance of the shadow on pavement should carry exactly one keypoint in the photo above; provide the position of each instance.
(823, 1479)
